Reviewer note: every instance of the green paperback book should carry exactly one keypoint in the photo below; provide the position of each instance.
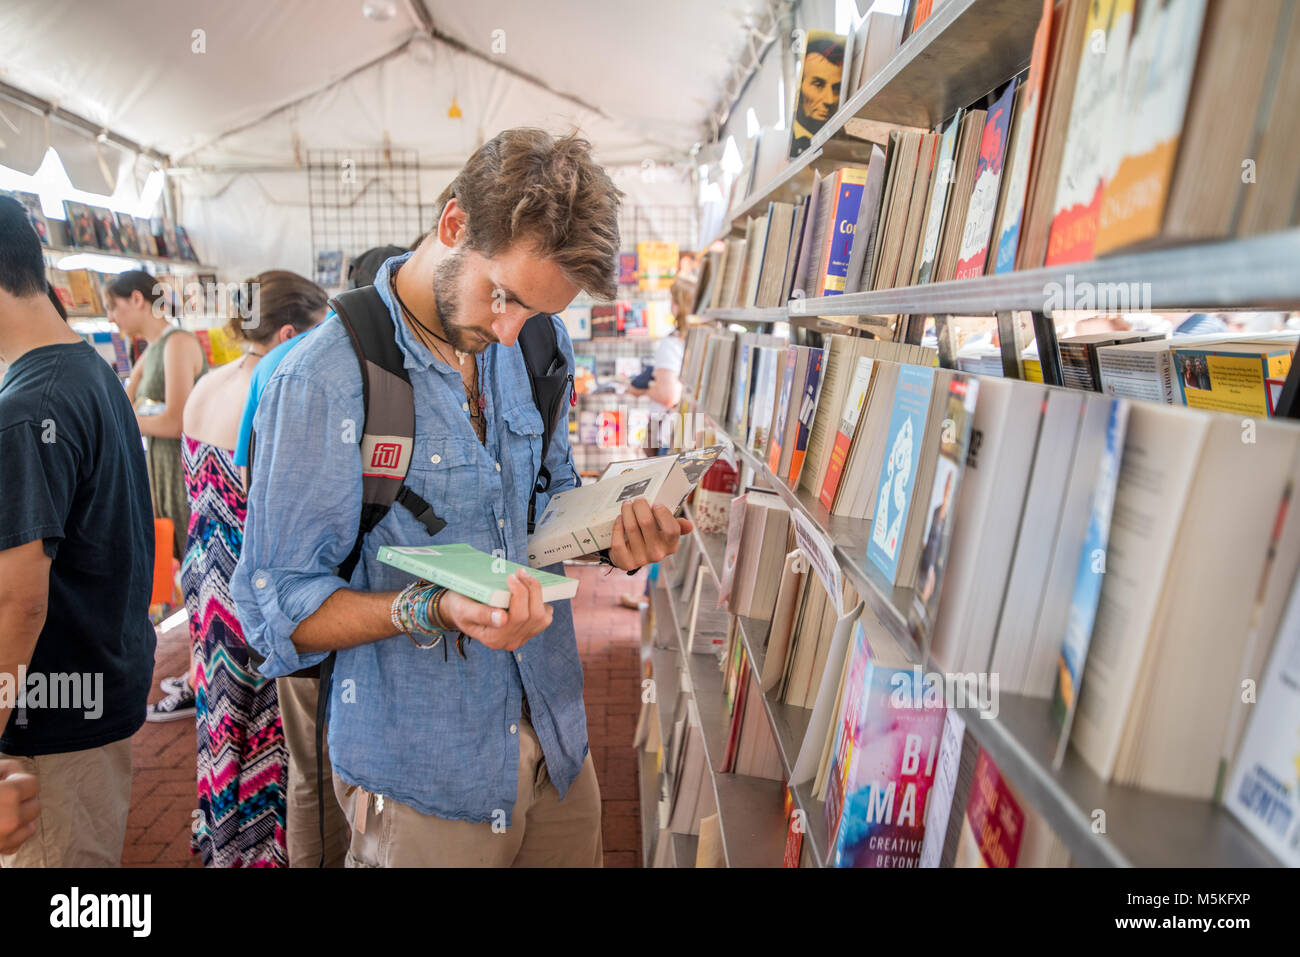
(474, 574)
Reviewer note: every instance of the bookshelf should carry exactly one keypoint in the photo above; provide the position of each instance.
(1258, 271)
(127, 257)
(1141, 828)
(749, 808)
(964, 50)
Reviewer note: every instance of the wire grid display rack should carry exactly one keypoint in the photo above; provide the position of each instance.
(360, 199)
(673, 224)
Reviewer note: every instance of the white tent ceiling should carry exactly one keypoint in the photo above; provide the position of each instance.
(650, 70)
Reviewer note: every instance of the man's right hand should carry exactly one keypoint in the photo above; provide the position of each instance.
(502, 628)
(20, 807)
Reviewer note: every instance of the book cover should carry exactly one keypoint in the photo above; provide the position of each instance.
(848, 186)
(783, 409)
(183, 244)
(105, 229)
(81, 226)
(35, 214)
(144, 237)
(1091, 142)
(1157, 84)
(994, 823)
(1230, 378)
(984, 197)
(943, 178)
(963, 392)
(126, 232)
(472, 573)
(818, 94)
(580, 521)
(794, 832)
(887, 770)
(1264, 790)
(847, 428)
(1018, 163)
(1087, 583)
(807, 409)
(897, 471)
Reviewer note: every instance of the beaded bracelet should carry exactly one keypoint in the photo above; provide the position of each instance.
(410, 613)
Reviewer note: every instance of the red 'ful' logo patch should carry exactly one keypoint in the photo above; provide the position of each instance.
(386, 455)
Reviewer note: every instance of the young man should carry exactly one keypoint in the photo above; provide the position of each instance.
(443, 758)
(76, 572)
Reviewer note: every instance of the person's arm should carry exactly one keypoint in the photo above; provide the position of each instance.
(182, 360)
(665, 387)
(133, 382)
(304, 505)
(20, 807)
(24, 593)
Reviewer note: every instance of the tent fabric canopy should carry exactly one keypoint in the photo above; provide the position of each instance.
(175, 76)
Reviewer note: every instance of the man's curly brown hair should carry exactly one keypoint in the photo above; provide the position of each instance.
(526, 185)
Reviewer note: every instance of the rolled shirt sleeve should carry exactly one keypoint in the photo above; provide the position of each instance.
(304, 505)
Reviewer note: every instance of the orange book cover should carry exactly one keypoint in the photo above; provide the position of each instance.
(1090, 150)
(1157, 84)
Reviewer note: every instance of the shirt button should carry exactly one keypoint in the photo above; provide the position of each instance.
(498, 466)
(464, 406)
(514, 729)
(501, 523)
(260, 583)
(436, 459)
(519, 656)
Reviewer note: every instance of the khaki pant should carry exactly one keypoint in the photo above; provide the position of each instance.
(302, 821)
(546, 832)
(85, 798)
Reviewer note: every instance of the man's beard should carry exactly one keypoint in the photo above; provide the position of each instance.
(446, 276)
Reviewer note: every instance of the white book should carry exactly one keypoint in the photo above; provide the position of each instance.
(580, 521)
(1004, 436)
(1076, 512)
(1036, 539)
(1264, 791)
(1161, 450)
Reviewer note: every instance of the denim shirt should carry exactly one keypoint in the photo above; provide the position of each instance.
(439, 735)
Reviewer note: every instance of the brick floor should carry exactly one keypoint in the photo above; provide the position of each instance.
(163, 795)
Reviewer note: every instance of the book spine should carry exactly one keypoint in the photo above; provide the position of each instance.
(834, 468)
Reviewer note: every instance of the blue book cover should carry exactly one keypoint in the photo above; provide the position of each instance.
(1087, 583)
(898, 470)
(807, 409)
(849, 184)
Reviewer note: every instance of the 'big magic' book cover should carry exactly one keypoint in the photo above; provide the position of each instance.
(883, 765)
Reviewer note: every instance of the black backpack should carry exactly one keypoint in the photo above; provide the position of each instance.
(388, 435)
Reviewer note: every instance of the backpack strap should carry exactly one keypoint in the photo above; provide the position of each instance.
(551, 381)
(388, 434)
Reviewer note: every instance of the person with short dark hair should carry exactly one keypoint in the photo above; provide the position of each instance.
(76, 574)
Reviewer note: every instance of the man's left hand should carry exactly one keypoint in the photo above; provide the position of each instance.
(643, 535)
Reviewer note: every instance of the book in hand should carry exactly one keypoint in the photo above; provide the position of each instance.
(474, 574)
(580, 521)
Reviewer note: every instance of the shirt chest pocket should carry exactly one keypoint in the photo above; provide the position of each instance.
(523, 443)
(445, 471)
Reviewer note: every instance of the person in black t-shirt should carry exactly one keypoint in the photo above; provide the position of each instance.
(76, 571)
